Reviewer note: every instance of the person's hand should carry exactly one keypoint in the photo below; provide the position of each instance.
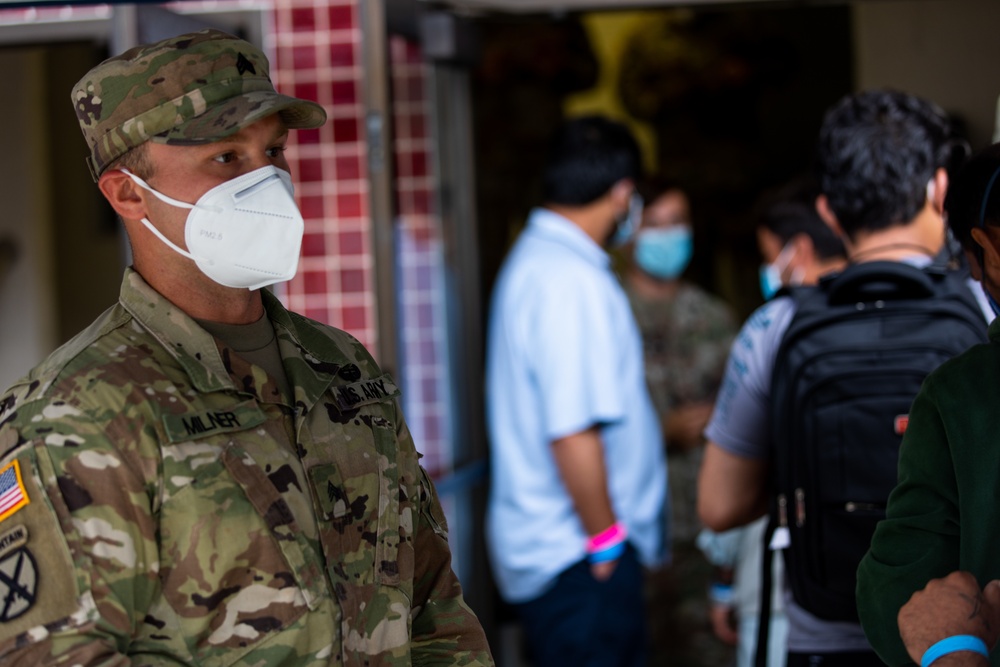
(723, 623)
(685, 424)
(951, 606)
(603, 571)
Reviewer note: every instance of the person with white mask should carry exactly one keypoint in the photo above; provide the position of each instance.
(686, 334)
(202, 476)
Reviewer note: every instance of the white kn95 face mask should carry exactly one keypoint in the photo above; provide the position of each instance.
(246, 232)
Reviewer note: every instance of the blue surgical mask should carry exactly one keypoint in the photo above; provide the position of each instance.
(664, 252)
(770, 274)
(770, 281)
(628, 225)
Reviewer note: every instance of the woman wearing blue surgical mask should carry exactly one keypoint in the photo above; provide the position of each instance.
(686, 337)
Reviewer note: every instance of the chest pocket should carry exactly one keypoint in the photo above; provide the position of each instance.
(367, 533)
(235, 566)
(367, 511)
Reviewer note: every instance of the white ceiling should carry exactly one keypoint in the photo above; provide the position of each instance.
(557, 6)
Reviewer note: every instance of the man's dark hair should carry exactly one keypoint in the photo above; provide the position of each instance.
(969, 204)
(587, 156)
(792, 211)
(877, 151)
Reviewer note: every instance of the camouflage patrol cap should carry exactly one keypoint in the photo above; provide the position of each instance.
(190, 89)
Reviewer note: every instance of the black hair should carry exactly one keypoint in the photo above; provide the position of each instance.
(877, 150)
(792, 211)
(587, 156)
(654, 187)
(973, 198)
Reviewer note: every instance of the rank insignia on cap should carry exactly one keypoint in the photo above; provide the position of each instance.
(18, 584)
(243, 65)
(12, 494)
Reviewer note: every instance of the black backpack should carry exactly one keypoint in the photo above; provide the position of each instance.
(848, 367)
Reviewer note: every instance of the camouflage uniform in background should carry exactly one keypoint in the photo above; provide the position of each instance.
(686, 342)
(162, 503)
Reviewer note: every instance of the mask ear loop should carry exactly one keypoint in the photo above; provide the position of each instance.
(784, 257)
(168, 200)
(981, 222)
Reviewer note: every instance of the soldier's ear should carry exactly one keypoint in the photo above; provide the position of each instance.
(805, 252)
(125, 197)
(991, 255)
(828, 216)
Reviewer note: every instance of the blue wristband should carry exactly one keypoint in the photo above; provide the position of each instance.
(952, 644)
(614, 552)
(721, 594)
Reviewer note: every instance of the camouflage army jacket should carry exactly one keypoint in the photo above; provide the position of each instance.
(161, 504)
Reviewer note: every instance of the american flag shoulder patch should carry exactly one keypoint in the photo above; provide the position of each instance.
(13, 496)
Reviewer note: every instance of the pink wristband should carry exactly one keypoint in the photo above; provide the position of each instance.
(609, 537)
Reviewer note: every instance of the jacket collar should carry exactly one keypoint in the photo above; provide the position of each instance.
(311, 358)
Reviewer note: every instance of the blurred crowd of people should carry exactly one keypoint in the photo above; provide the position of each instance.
(639, 433)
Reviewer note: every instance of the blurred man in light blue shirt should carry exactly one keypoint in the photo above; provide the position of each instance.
(578, 469)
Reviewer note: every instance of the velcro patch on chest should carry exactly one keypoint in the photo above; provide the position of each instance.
(353, 396)
(239, 417)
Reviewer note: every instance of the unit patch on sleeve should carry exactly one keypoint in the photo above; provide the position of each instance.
(12, 493)
(18, 583)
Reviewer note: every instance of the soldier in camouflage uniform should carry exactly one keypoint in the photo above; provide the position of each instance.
(686, 335)
(202, 477)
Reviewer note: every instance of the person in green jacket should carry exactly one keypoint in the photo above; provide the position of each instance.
(944, 514)
(202, 477)
(945, 622)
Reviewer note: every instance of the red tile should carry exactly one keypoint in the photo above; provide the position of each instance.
(313, 245)
(348, 168)
(304, 57)
(432, 427)
(314, 282)
(318, 314)
(415, 88)
(344, 92)
(352, 281)
(351, 244)
(311, 207)
(307, 90)
(345, 130)
(429, 389)
(422, 202)
(425, 316)
(349, 205)
(341, 18)
(418, 163)
(418, 126)
(311, 170)
(309, 137)
(355, 318)
(342, 54)
(303, 19)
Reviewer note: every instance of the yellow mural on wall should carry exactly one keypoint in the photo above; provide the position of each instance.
(609, 33)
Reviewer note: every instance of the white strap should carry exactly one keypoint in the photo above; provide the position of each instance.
(159, 195)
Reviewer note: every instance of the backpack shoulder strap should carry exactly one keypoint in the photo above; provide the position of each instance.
(766, 586)
(873, 281)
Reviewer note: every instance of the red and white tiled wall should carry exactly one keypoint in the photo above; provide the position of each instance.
(419, 260)
(317, 48)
